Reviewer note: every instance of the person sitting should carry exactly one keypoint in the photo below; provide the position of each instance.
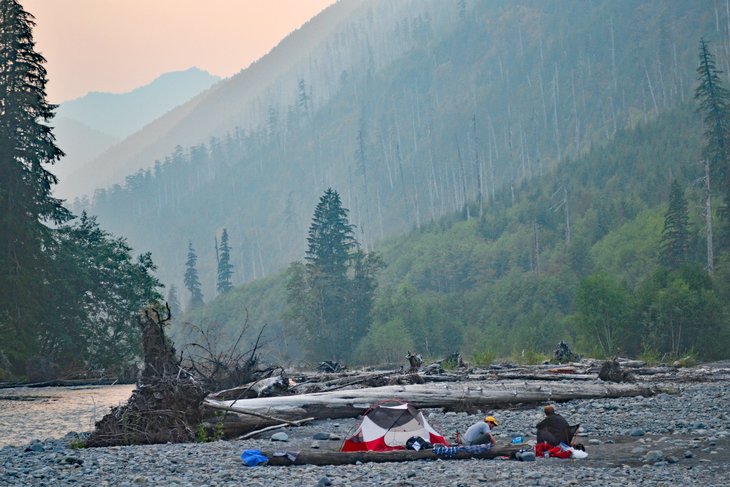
(481, 433)
(554, 429)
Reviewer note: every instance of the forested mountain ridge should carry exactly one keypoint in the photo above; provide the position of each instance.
(227, 105)
(440, 103)
(510, 283)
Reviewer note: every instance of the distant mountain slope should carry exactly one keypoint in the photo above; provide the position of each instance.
(121, 114)
(237, 101)
(409, 109)
(81, 144)
(88, 126)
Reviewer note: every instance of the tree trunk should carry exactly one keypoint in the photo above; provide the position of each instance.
(350, 458)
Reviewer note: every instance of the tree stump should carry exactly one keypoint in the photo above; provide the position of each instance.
(165, 405)
(611, 371)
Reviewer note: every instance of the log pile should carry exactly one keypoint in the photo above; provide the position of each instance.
(248, 414)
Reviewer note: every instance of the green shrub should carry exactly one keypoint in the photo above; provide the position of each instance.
(650, 356)
(77, 443)
(385, 343)
(218, 428)
(530, 357)
(689, 360)
(485, 357)
(201, 434)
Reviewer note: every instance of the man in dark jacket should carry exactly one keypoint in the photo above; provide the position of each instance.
(554, 428)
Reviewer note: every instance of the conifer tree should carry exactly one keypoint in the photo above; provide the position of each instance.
(331, 296)
(330, 239)
(192, 283)
(674, 245)
(26, 203)
(225, 268)
(713, 98)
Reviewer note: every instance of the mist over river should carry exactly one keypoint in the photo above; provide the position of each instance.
(28, 413)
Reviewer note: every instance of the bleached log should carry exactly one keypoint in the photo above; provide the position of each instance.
(276, 426)
(265, 387)
(550, 377)
(309, 457)
(351, 403)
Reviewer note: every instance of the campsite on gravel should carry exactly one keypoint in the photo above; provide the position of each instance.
(677, 438)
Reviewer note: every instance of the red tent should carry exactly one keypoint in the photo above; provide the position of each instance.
(388, 425)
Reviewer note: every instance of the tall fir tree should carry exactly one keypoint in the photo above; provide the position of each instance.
(192, 282)
(26, 204)
(675, 240)
(713, 99)
(331, 295)
(225, 268)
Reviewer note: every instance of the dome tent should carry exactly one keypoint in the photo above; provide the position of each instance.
(387, 426)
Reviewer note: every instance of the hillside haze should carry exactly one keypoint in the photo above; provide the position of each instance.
(87, 126)
(409, 109)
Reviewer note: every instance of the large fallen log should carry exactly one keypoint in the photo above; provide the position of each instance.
(313, 457)
(550, 377)
(450, 396)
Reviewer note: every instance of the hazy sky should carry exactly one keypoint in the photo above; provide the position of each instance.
(118, 45)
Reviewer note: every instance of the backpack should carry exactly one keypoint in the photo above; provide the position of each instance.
(417, 443)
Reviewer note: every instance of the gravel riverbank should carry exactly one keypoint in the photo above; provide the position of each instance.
(677, 439)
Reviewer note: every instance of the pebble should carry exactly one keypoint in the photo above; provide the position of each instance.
(654, 456)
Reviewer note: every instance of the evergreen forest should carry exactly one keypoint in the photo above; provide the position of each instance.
(69, 290)
(609, 254)
(409, 110)
(428, 176)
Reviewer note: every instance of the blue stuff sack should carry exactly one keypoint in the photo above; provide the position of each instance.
(518, 440)
(251, 458)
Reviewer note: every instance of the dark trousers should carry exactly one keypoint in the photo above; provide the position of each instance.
(547, 437)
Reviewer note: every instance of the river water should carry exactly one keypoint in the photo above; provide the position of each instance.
(51, 412)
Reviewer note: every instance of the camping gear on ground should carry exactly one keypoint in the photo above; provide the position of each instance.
(453, 451)
(561, 451)
(546, 450)
(525, 455)
(388, 425)
(319, 457)
(417, 443)
(575, 453)
(251, 458)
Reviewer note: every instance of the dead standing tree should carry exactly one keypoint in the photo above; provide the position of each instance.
(165, 406)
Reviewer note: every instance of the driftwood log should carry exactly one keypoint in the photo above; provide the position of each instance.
(312, 457)
(245, 415)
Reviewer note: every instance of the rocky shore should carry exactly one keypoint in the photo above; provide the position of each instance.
(668, 439)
